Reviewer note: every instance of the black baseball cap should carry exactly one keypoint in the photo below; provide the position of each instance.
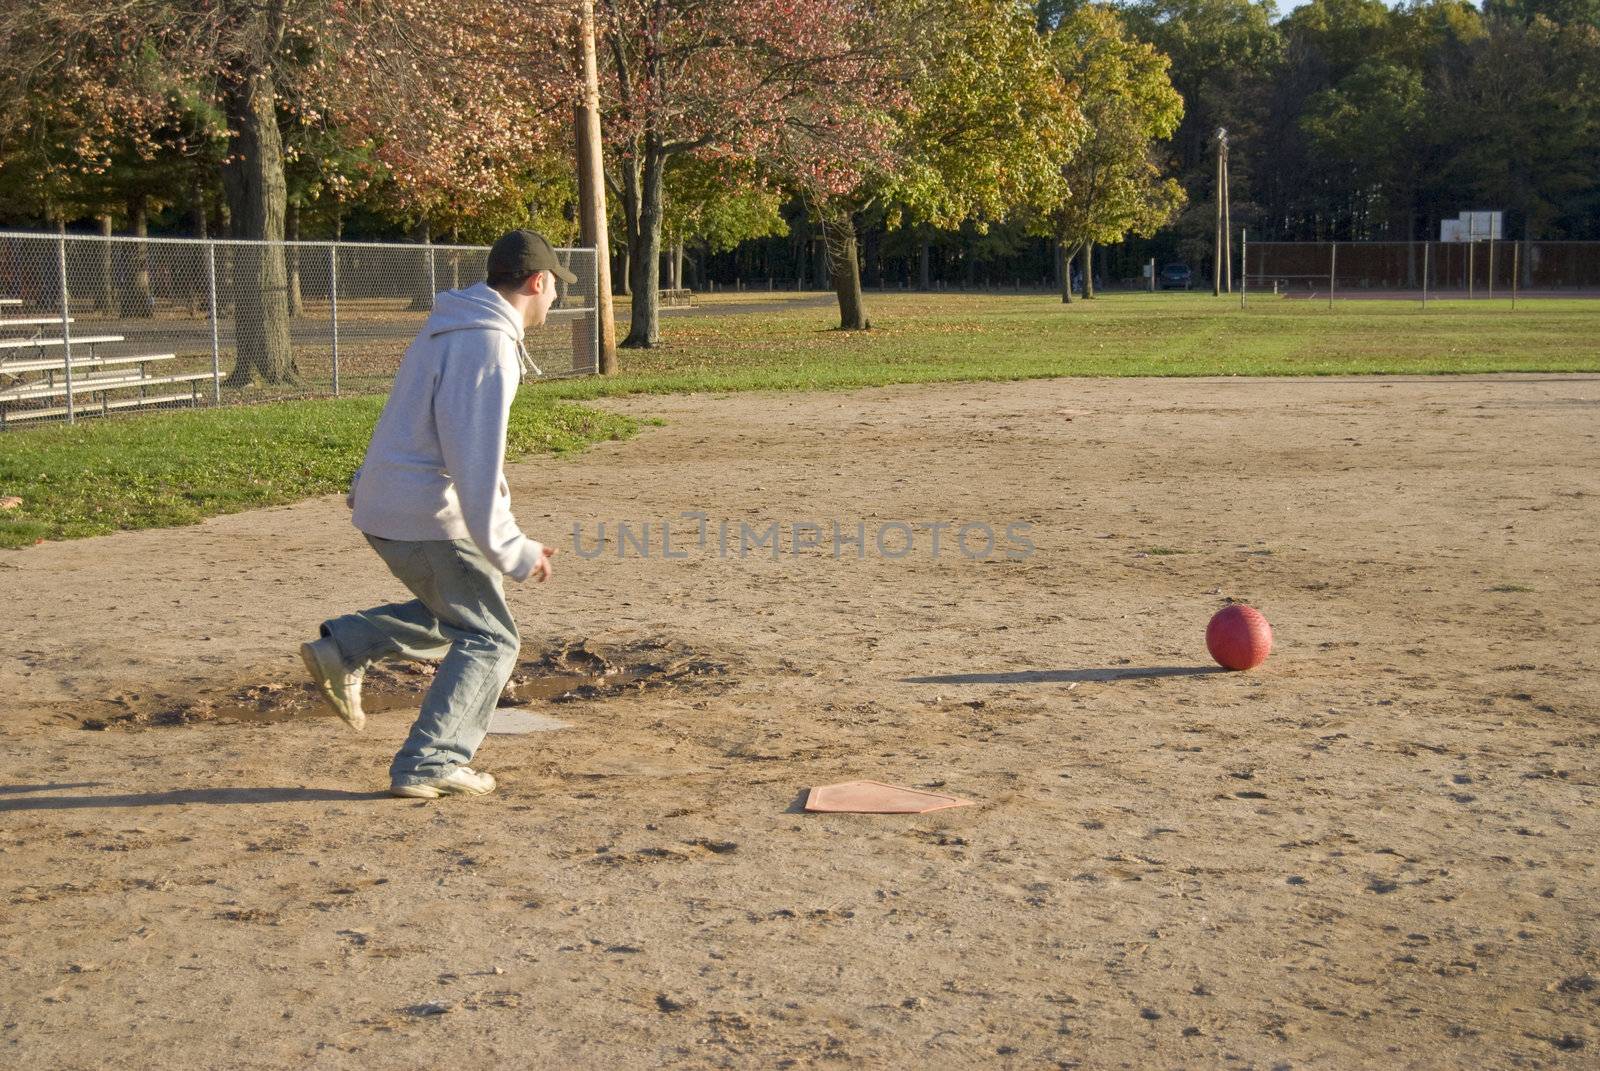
(521, 253)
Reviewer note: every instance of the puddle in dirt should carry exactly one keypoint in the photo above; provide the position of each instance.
(567, 672)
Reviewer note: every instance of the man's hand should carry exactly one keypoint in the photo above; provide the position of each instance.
(543, 570)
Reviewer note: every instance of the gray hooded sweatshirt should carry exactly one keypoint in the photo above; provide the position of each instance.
(435, 468)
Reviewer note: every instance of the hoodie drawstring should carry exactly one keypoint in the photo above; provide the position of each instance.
(526, 361)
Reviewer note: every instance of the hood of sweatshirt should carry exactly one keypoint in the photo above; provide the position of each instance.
(477, 308)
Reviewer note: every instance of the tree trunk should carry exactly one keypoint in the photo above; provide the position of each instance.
(839, 231)
(1067, 256)
(422, 291)
(924, 265)
(197, 210)
(253, 181)
(198, 283)
(291, 231)
(105, 290)
(677, 267)
(644, 330)
(137, 301)
(1088, 270)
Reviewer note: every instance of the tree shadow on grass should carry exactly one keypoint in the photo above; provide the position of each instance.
(1064, 676)
(177, 797)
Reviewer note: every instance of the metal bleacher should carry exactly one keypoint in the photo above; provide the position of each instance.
(37, 382)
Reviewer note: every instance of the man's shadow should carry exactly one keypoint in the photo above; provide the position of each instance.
(23, 802)
(1064, 676)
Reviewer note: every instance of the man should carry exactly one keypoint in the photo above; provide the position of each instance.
(432, 499)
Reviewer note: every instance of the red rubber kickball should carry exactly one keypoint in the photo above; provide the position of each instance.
(1239, 637)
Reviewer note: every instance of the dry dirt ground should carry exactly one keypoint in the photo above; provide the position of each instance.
(1377, 851)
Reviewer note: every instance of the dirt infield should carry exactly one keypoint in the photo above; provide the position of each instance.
(1376, 851)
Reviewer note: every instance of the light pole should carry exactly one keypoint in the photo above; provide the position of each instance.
(592, 192)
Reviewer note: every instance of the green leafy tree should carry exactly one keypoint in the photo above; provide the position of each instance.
(715, 204)
(977, 132)
(1366, 143)
(1114, 182)
(1522, 120)
(1560, 12)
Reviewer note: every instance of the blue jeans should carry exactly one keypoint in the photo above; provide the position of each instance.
(459, 618)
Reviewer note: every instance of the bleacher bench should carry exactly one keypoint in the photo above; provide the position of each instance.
(104, 405)
(42, 343)
(35, 321)
(98, 389)
(83, 384)
(99, 384)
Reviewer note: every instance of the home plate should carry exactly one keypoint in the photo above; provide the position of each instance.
(514, 721)
(875, 797)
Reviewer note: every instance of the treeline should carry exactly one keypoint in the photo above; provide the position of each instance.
(1349, 120)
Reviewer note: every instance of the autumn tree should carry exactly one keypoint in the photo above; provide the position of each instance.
(462, 109)
(1114, 183)
(975, 130)
(444, 90)
(725, 77)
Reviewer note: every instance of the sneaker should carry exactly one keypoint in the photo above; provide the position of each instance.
(461, 781)
(339, 686)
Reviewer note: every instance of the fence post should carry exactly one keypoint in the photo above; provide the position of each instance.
(66, 323)
(211, 302)
(1244, 263)
(1470, 280)
(1333, 265)
(333, 305)
(433, 283)
(1425, 247)
(1515, 246)
(1491, 269)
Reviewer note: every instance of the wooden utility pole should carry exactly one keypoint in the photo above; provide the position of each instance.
(592, 191)
(1216, 240)
(1227, 222)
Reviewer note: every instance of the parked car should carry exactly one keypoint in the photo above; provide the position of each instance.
(1177, 277)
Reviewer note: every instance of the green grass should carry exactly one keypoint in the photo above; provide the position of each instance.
(176, 468)
(921, 338)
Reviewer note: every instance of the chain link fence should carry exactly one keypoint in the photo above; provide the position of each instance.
(91, 325)
(1424, 270)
